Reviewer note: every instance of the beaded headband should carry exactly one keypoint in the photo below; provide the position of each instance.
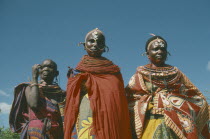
(156, 42)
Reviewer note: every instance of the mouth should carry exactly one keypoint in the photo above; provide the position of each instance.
(159, 56)
(45, 73)
(94, 50)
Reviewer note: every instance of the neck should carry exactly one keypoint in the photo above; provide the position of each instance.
(156, 65)
(95, 56)
(48, 82)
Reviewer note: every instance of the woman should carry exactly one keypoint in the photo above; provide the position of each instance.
(163, 102)
(96, 105)
(37, 109)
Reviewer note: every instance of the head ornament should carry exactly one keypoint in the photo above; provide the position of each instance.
(95, 33)
(156, 42)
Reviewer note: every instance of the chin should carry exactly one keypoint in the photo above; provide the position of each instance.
(161, 60)
(46, 77)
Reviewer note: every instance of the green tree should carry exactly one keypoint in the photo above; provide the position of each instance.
(6, 133)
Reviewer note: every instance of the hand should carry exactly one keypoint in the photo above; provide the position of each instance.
(35, 71)
(69, 72)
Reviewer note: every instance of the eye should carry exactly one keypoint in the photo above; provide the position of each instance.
(91, 41)
(101, 46)
(156, 49)
(163, 49)
(42, 67)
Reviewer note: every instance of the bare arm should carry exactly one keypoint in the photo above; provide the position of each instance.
(32, 91)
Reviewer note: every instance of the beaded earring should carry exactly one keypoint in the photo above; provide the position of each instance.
(56, 80)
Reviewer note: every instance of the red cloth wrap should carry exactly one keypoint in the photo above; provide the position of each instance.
(107, 101)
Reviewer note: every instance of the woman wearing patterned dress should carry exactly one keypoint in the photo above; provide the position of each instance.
(163, 103)
(37, 109)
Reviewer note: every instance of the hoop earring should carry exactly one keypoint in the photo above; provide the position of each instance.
(106, 49)
(169, 53)
(144, 54)
(56, 80)
(83, 43)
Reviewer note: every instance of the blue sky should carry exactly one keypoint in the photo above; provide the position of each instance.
(34, 30)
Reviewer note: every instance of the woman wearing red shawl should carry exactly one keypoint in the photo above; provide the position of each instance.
(37, 109)
(163, 102)
(96, 105)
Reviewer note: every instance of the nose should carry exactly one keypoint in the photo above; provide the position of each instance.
(45, 68)
(94, 46)
(160, 51)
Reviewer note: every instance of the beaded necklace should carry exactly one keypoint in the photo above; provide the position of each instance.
(52, 91)
(160, 76)
(99, 65)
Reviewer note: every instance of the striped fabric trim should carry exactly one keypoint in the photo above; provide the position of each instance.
(155, 100)
(157, 111)
(138, 123)
(202, 118)
(35, 132)
(173, 126)
(50, 106)
(141, 80)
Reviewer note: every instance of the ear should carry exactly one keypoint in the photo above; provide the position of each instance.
(84, 46)
(148, 56)
(104, 49)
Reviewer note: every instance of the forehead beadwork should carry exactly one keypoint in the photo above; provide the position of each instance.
(159, 42)
(95, 38)
(95, 35)
(156, 42)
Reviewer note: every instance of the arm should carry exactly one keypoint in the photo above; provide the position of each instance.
(32, 91)
(70, 72)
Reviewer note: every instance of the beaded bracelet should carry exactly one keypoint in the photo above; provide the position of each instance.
(33, 84)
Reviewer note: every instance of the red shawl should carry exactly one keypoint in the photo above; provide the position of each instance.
(107, 99)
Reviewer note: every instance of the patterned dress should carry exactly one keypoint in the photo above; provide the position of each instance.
(83, 126)
(163, 103)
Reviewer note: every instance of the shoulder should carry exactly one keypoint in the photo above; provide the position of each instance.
(140, 68)
(22, 85)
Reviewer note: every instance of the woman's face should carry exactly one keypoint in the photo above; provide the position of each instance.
(95, 44)
(48, 70)
(157, 52)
